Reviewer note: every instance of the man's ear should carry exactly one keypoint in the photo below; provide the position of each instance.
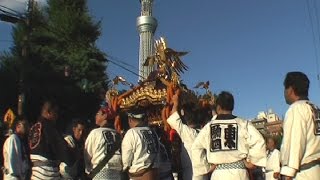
(291, 91)
(105, 116)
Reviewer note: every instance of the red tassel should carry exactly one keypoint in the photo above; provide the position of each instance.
(117, 124)
(172, 135)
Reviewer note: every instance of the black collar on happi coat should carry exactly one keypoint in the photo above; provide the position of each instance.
(225, 117)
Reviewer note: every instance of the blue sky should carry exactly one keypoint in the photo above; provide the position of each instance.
(245, 47)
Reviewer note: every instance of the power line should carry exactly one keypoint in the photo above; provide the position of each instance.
(9, 13)
(122, 62)
(318, 30)
(113, 62)
(17, 13)
(314, 39)
(110, 59)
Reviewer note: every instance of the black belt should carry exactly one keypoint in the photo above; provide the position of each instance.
(45, 163)
(309, 165)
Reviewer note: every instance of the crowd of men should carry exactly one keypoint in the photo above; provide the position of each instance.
(227, 147)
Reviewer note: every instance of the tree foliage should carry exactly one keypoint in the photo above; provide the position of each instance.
(62, 60)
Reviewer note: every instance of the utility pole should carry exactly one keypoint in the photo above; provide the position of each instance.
(25, 55)
(15, 18)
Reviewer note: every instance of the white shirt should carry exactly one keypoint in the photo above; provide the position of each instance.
(273, 161)
(212, 147)
(14, 164)
(140, 148)
(300, 145)
(187, 135)
(97, 145)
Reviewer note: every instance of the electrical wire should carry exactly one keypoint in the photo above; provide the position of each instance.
(12, 13)
(9, 9)
(109, 58)
(318, 30)
(314, 39)
(9, 14)
(122, 61)
(113, 62)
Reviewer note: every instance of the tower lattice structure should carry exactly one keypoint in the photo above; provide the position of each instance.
(146, 25)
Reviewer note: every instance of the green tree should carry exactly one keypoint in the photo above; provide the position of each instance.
(62, 62)
(9, 82)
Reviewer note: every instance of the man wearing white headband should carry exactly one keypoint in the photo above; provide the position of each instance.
(102, 149)
(140, 148)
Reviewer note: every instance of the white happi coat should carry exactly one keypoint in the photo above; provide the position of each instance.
(44, 172)
(212, 147)
(97, 145)
(301, 141)
(140, 149)
(273, 164)
(187, 135)
(15, 166)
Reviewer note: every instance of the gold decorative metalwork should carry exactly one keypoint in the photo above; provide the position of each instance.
(167, 60)
(112, 93)
(141, 95)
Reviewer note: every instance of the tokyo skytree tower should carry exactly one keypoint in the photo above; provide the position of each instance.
(146, 25)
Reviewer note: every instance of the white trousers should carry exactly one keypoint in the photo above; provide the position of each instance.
(232, 174)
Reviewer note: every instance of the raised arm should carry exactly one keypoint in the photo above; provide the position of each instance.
(199, 148)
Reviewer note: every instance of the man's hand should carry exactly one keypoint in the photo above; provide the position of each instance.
(175, 99)
(175, 102)
(249, 165)
(276, 175)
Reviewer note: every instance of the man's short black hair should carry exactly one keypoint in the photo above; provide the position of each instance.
(50, 106)
(188, 113)
(299, 83)
(273, 139)
(189, 117)
(77, 121)
(19, 120)
(225, 101)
